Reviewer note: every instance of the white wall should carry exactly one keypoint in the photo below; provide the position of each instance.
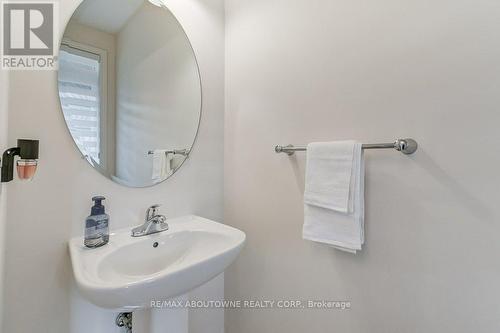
(301, 71)
(4, 98)
(43, 214)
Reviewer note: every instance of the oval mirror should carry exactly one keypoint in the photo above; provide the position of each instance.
(130, 89)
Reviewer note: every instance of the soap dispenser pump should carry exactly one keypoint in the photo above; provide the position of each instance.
(97, 225)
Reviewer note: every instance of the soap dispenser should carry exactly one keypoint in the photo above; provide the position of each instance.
(97, 225)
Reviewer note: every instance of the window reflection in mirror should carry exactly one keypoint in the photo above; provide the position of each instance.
(82, 97)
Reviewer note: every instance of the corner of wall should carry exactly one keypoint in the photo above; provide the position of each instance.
(4, 93)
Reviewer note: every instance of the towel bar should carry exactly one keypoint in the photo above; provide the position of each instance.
(184, 152)
(406, 146)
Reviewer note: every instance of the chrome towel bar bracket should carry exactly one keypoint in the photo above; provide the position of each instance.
(406, 146)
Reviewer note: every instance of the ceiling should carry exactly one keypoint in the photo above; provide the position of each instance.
(106, 15)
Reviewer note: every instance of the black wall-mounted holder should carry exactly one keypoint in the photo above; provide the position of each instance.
(26, 149)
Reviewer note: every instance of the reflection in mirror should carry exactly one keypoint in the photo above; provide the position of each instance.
(130, 89)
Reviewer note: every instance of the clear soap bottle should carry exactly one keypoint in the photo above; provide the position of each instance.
(97, 225)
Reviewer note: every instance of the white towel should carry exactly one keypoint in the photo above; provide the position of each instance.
(334, 195)
(162, 164)
(328, 175)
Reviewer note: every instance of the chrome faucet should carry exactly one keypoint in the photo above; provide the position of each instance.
(153, 224)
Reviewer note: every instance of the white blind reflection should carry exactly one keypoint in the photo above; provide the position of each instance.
(79, 91)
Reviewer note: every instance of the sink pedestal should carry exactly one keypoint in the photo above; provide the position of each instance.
(162, 320)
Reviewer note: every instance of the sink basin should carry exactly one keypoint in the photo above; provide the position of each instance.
(129, 273)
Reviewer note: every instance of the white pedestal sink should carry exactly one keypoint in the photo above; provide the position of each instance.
(162, 320)
(130, 273)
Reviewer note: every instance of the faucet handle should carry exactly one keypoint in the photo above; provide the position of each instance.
(151, 212)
